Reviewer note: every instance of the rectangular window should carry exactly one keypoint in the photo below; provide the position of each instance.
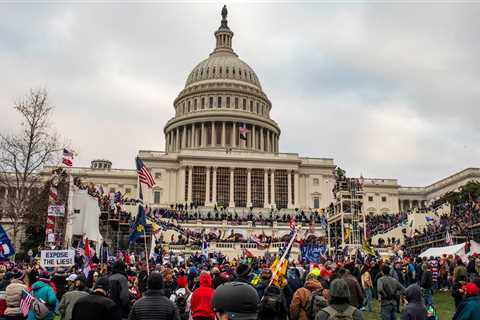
(219, 102)
(203, 103)
(198, 185)
(244, 104)
(281, 189)
(316, 202)
(258, 107)
(228, 102)
(384, 199)
(240, 183)
(188, 106)
(370, 198)
(195, 104)
(236, 103)
(258, 188)
(251, 106)
(211, 102)
(156, 197)
(223, 187)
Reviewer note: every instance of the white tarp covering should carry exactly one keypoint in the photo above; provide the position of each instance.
(85, 217)
(457, 249)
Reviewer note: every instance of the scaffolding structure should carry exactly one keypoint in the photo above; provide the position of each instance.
(346, 219)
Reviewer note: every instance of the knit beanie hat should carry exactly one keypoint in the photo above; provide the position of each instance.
(155, 281)
(339, 289)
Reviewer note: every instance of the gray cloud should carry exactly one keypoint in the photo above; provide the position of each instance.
(388, 90)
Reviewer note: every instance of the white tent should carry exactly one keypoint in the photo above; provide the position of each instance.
(457, 249)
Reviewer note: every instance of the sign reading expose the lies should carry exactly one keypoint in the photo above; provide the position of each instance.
(56, 210)
(57, 258)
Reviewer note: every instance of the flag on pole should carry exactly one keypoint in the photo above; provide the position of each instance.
(25, 302)
(67, 162)
(144, 174)
(138, 227)
(448, 239)
(6, 247)
(367, 248)
(205, 247)
(243, 132)
(53, 193)
(67, 153)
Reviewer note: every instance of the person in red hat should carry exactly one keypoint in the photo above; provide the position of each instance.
(469, 308)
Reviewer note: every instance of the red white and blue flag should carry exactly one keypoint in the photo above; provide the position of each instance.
(243, 132)
(68, 153)
(144, 174)
(25, 302)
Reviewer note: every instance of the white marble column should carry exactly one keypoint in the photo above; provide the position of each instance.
(181, 187)
(223, 134)
(214, 186)
(190, 175)
(194, 142)
(289, 189)
(232, 200)
(261, 140)
(249, 187)
(177, 139)
(207, 186)
(234, 136)
(184, 137)
(269, 142)
(265, 188)
(214, 136)
(272, 176)
(254, 142)
(296, 190)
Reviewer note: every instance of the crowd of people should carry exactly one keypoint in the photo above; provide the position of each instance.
(380, 223)
(199, 287)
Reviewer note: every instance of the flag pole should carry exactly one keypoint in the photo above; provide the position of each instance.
(146, 254)
(140, 196)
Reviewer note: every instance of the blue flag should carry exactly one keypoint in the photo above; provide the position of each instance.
(6, 248)
(138, 227)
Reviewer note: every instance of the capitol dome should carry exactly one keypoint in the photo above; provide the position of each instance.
(222, 105)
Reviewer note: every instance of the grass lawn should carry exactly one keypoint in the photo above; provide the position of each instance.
(443, 302)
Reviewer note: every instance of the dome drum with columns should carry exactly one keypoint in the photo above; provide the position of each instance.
(222, 97)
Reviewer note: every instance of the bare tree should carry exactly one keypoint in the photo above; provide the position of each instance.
(24, 154)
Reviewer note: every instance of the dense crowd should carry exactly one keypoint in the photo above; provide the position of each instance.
(381, 223)
(196, 287)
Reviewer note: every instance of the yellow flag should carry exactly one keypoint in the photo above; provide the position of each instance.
(279, 279)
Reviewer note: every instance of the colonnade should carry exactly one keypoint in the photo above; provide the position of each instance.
(221, 134)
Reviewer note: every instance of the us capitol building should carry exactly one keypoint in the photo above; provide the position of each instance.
(222, 148)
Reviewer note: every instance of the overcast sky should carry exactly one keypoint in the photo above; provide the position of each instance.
(387, 90)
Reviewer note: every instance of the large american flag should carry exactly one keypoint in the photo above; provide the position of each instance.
(26, 302)
(144, 174)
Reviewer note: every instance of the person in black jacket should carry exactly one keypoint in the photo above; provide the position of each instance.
(154, 305)
(97, 306)
(119, 288)
(415, 309)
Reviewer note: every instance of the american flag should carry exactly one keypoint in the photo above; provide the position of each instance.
(26, 302)
(293, 224)
(243, 132)
(67, 153)
(144, 174)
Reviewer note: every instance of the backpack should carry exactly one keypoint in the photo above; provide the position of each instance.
(272, 301)
(337, 315)
(39, 308)
(316, 302)
(181, 303)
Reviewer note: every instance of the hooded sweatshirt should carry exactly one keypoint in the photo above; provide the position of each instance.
(299, 306)
(201, 298)
(415, 309)
(42, 290)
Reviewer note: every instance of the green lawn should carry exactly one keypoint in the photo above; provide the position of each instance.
(443, 302)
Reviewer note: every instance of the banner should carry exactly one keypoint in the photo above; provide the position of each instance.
(6, 247)
(57, 258)
(56, 210)
(311, 253)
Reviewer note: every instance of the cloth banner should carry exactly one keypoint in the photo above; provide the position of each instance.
(85, 217)
(57, 258)
(56, 210)
(311, 253)
(6, 247)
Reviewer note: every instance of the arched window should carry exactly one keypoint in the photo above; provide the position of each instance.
(219, 102)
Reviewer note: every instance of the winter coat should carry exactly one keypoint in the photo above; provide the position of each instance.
(389, 290)
(13, 294)
(154, 305)
(427, 280)
(301, 297)
(415, 309)
(120, 295)
(42, 290)
(323, 315)
(96, 307)
(469, 309)
(356, 293)
(201, 297)
(67, 303)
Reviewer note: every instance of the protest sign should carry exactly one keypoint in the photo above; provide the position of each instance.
(57, 258)
(56, 210)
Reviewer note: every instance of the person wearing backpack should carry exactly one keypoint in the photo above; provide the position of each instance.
(119, 288)
(389, 292)
(339, 307)
(304, 299)
(45, 299)
(180, 297)
(273, 305)
(154, 305)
